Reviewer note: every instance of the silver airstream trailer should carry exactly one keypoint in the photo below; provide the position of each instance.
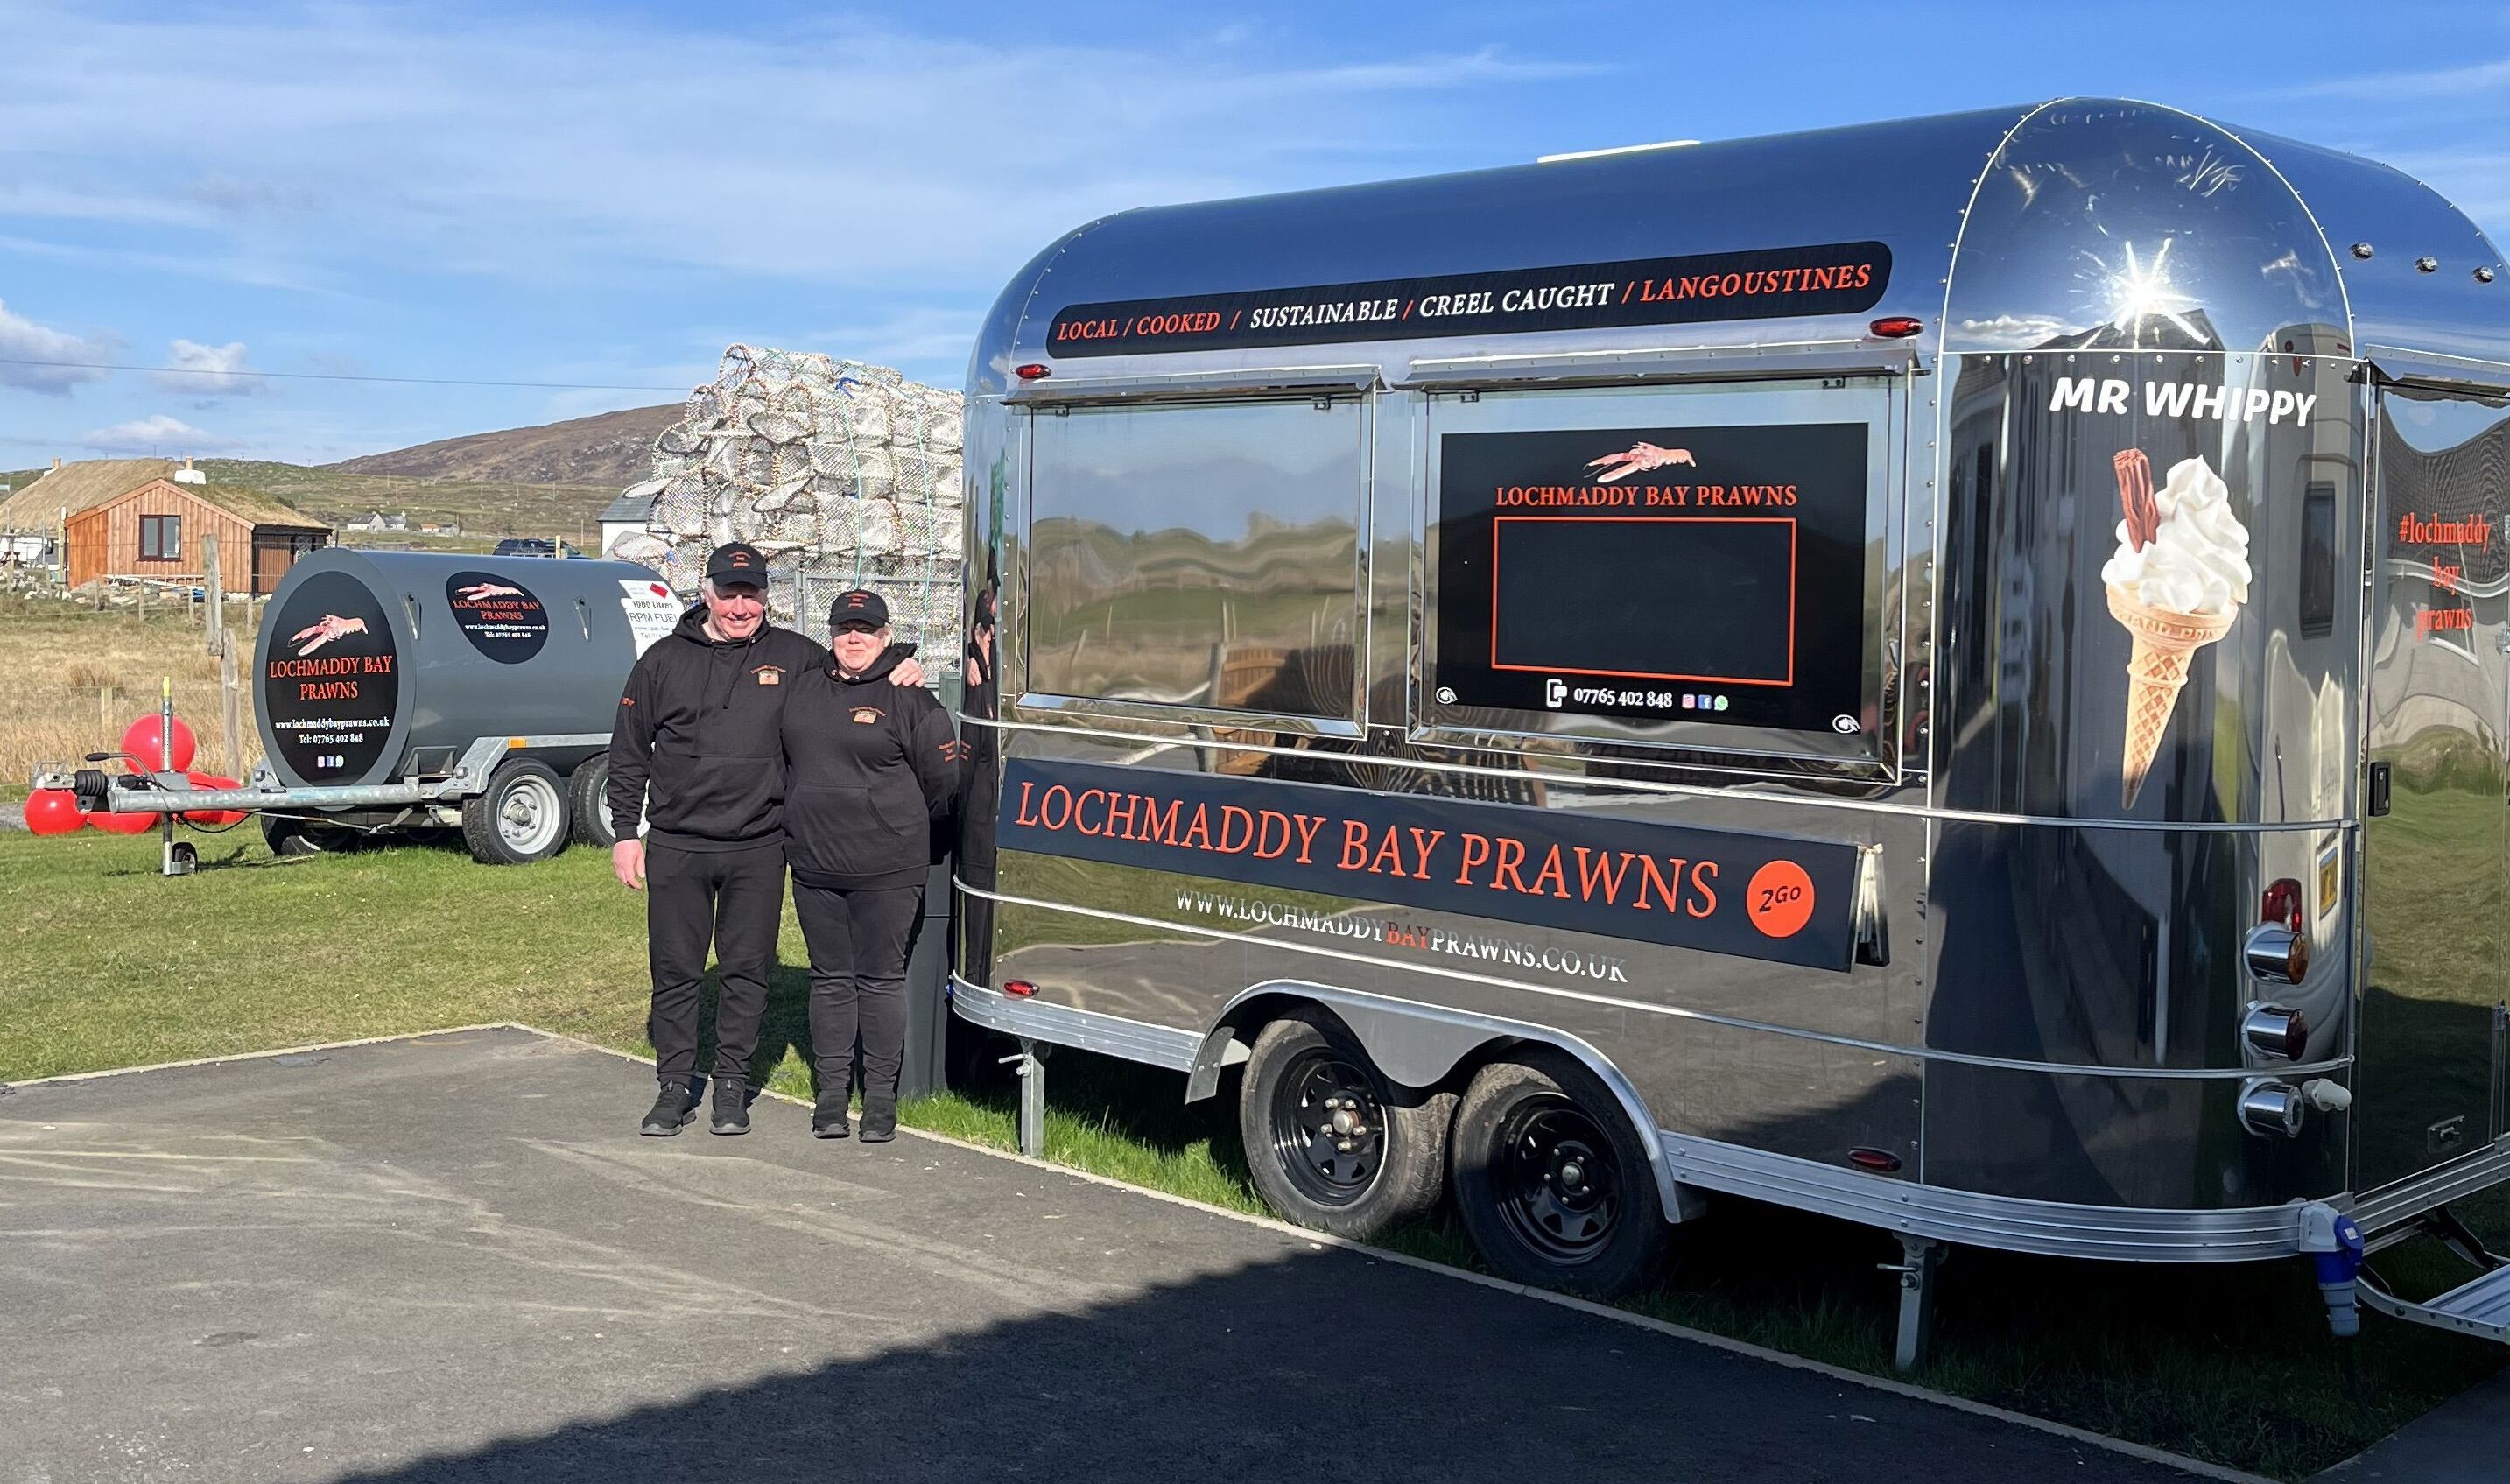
(1949, 674)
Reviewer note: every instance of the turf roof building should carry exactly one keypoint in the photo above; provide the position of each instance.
(147, 517)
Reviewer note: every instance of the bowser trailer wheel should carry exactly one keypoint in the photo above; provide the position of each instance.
(588, 793)
(521, 817)
(1328, 1143)
(1551, 1183)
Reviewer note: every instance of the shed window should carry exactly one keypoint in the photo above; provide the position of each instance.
(161, 538)
(1201, 556)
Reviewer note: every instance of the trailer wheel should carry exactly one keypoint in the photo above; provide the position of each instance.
(518, 819)
(306, 837)
(1551, 1183)
(589, 795)
(1328, 1145)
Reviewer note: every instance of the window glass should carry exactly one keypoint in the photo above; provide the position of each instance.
(1198, 556)
(161, 538)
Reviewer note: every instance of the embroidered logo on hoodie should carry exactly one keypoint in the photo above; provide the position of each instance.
(769, 674)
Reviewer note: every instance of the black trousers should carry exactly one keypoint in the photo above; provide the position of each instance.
(733, 900)
(860, 942)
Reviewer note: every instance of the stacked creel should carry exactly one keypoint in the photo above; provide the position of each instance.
(843, 473)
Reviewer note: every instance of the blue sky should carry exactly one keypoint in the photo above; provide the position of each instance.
(599, 198)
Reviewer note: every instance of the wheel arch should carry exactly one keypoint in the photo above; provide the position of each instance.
(1420, 1046)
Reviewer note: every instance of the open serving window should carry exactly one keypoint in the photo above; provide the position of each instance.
(1694, 567)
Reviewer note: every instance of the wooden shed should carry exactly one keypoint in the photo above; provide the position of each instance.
(156, 530)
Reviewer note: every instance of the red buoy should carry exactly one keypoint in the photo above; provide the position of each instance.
(213, 818)
(123, 824)
(139, 740)
(53, 812)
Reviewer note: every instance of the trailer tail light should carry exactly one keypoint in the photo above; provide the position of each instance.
(2270, 1108)
(2275, 1030)
(1033, 371)
(1879, 1161)
(2276, 954)
(1018, 989)
(2281, 904)
(1896, 326)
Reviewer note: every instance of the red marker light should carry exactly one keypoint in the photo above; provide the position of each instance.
(1896, 326)
(2281, 904)
(1018, 989)
(1033, 371)
(1879, 1160)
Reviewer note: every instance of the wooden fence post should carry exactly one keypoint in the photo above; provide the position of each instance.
(218, 634)
(229, 690)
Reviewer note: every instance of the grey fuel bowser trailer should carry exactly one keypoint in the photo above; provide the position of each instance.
(485, 684)
(1947, 673)
(397, 691)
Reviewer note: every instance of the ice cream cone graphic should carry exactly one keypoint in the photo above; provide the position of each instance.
(2175, 582)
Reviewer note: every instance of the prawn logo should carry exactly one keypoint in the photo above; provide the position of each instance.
(1638, 458)
(498, 615)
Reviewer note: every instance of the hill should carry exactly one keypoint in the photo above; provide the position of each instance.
(610, 448)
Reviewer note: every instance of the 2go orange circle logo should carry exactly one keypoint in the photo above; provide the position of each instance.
(1779, 899)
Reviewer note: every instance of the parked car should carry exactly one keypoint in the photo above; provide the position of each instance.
(534, 546)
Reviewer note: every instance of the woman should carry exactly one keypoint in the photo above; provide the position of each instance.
(870, 768)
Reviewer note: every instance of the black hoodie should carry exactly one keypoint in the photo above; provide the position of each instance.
(871, 768)
(703, 719)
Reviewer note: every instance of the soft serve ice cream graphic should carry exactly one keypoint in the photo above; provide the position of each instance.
(2177, 580)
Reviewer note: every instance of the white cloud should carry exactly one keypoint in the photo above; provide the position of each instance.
(539, 148)
(40, 359)
(157, 434)
(208, 371)
(2482, 79)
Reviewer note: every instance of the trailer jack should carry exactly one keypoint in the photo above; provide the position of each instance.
(1922, 1257)
(1029, 1064)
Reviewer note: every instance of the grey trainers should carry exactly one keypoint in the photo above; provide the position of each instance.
(731, 1108)
(672, 1111)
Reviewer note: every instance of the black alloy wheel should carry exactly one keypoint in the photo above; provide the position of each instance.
(1551, 1181)
(1328, 1127)
(1331, 1144)
(1558, 1185)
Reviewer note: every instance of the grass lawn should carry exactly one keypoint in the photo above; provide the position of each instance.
(104, 963)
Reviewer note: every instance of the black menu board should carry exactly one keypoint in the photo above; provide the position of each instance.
(1711, 574)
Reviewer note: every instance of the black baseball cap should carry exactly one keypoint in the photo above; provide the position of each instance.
(860, 607)
(737, 561)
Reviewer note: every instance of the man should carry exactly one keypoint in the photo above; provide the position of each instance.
(701, 726)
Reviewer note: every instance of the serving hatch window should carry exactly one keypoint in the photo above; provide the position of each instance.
(1694, 566)
(1199, 556)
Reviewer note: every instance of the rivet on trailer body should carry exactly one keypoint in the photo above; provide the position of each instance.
(2362, 250)
(2484, 273)
(2426, 265)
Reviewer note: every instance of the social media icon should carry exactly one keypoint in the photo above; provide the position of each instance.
(1721, 702)
(1690, 702)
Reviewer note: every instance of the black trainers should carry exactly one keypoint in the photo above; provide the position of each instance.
(880, 1125)
(828, 1118)
(731, 1108)
(672, 1111)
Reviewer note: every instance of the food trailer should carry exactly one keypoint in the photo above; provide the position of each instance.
(1947, 674)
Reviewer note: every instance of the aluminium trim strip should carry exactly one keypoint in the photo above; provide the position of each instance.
(1671, 1011)
(1650, 786)
(1066, 1025)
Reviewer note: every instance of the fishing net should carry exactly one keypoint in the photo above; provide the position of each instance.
(844, 475)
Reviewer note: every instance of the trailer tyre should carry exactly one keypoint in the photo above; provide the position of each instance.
(521, 817)
(1551, 1183)
(589, 794)
(1327, 1142)
(306, 837)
